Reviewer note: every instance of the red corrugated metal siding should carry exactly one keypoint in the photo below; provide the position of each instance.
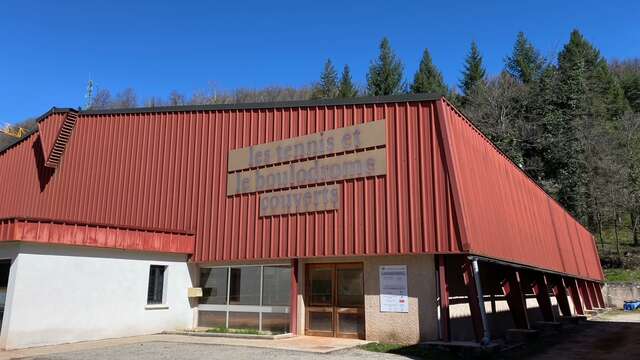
(95, 236)
(48, 128)
(168, 171)
(508, 216)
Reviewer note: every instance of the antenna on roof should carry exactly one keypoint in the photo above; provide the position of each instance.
(89, 95)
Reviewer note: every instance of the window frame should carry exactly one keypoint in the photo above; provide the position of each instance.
(260, 308)
(152, 302)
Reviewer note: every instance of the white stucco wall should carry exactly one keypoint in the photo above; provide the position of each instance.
(60, 294)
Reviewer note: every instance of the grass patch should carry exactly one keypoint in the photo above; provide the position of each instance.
(622, 275)
(224, 330)
(381, 347)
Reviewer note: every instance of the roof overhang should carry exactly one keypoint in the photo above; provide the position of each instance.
(95, 235)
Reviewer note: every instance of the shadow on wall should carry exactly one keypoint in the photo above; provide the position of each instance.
(44, 173)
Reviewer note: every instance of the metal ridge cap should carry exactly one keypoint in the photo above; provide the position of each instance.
(363, 100)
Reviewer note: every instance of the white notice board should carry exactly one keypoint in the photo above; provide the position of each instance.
(393, 289)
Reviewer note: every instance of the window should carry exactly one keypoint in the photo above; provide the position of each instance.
(253, 297)
(214, 286)
(156, 285)
(244, 286)
(276, 286)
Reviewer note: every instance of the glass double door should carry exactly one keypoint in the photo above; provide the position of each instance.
(335, 300)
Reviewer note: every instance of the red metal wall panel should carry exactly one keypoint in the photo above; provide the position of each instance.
(506, 215)
(446, 185)
(95, 236)
(169, 170)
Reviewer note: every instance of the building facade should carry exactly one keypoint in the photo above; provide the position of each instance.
(385, 218)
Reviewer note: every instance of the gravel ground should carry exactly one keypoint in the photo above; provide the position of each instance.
(171, 351)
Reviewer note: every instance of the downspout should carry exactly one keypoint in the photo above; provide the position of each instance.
(438, 299)
(486, 339)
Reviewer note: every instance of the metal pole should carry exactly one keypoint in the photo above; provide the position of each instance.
(438, 297)
(486, 339)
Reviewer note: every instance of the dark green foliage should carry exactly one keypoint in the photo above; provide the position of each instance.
(590, 104)
(385, 73)
(428, 78)
(327, 88)
(347, 88)
(474, 72)
(628, 75)
(525, 63)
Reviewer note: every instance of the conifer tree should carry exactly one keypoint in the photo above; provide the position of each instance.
(385, 73)
(327, 88)
(428, 78)
(525, 62)
(590, 104)
(346, 89)
(474, 72)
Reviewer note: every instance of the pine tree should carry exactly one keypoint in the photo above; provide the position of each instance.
(385, 73)
(525, 63)
(346, 89)
(590, 104)
(327, 88)
(474, 72)
(428, 78)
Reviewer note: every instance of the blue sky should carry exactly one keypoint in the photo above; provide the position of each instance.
(49, 49)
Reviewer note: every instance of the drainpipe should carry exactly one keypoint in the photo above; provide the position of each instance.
(486, 339)
(438, 299)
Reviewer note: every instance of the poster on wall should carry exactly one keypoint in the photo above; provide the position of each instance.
(393, 289)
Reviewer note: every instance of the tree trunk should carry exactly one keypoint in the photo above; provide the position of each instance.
(615, 231)
(599, 221)
(635, 219)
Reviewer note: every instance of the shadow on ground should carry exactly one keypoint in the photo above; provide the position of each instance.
(612, 336)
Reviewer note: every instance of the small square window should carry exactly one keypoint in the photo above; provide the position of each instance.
(156, 285)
